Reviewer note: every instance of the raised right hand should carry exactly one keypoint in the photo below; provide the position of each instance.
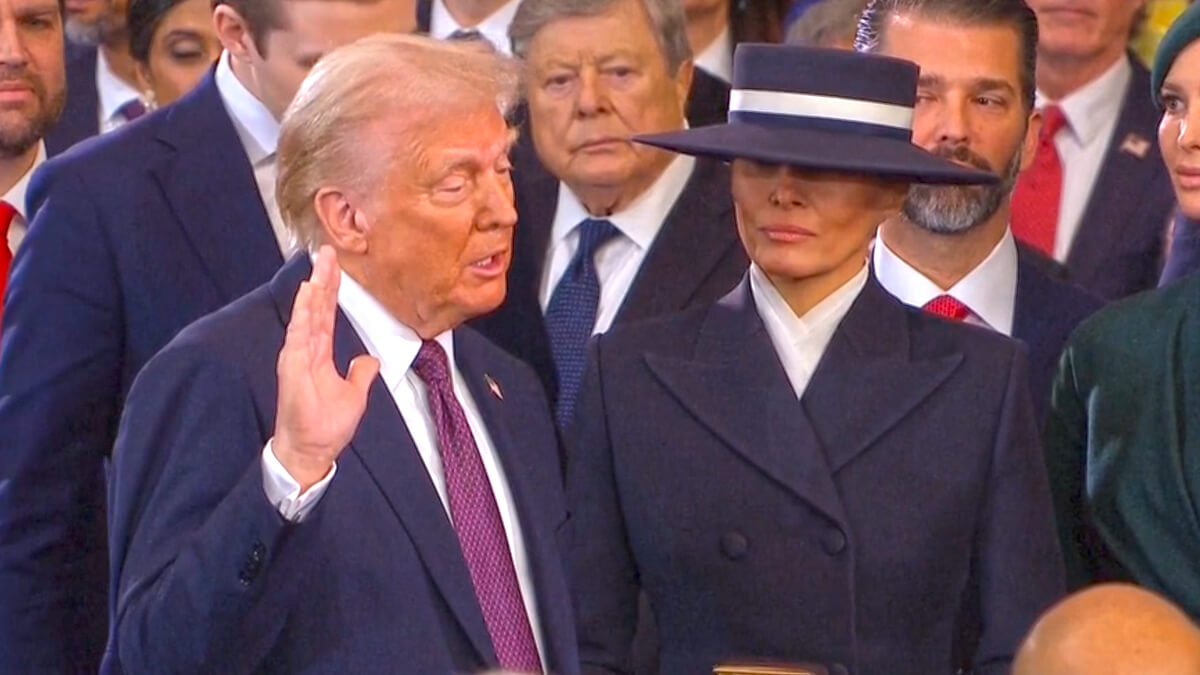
(318, 410)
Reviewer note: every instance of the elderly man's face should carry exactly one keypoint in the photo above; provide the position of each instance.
(594, 82)
(440, 239)
(804, 225)
(1084, 29)
(312, 29)
(970, 109)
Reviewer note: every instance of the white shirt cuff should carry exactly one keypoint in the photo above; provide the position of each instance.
(284, 492)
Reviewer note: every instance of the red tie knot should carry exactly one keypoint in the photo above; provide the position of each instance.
(947, 307)
(1053, 121)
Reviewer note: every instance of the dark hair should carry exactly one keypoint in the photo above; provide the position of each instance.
(143, 18)
(1014, 13)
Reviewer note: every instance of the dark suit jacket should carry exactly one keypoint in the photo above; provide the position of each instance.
(213, 580)
(1047, 310)
(873, 526)
(695, 258)
(1123, 444)
(1183, 256)
(1118, 249)
(708, 101)
(81, 116)
(134, 235)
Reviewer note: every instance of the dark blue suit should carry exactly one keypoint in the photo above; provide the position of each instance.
(897, 519)
(81, 115)
(1118, 249)
(213, 580)
(134, 235)
(1047, 311)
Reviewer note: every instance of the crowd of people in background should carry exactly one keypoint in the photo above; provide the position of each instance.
(600, 336)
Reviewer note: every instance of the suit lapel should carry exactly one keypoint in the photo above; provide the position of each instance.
(867, 381)
(387, 452)
(696, 235)
(210, 186)
(736, 387)
(1124, 174)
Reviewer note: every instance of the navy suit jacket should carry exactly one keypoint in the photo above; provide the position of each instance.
(897, 519)
(695, 258)
(213, 580)
(81, 115)
(134, 235)
(1119, 247)
(1047, 311)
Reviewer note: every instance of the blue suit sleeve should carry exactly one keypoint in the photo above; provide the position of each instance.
(59, 390)
(204, 580)
(1018, 564)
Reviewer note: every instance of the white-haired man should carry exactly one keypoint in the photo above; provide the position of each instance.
(402, 516)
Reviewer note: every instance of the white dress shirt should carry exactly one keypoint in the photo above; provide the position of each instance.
(717, 58)
(1091, 113)
(800, 341)
(396, 347)
(494, 28)
(258, 130)
(16, 198)
(989, 290)
(619, 259)
(113, 93)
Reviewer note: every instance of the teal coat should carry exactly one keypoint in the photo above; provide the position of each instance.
(1123, 444)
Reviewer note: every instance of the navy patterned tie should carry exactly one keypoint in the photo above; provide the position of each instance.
(476, 518)
(571, 314)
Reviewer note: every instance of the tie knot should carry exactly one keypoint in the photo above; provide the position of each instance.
(7, 211)
(132, 109)
(431, 365)
(1053, 121)
(947, 307)
(593, 232)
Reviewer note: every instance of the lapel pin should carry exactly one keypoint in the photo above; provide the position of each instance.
(493, 387)
(1136, 145)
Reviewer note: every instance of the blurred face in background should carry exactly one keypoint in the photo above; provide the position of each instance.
(183, 47)
(92, 22)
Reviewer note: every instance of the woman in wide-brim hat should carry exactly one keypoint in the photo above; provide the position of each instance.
(808, 470)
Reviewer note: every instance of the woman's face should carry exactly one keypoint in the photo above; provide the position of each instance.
(1179, 128)
(182, 49)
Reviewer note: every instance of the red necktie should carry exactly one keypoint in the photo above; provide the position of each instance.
(947, 307)
(6, 217)
(476, 519)
(1036, 200)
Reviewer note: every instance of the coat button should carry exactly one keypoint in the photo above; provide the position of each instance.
(833, 541)
(838, 669)
(734, 545)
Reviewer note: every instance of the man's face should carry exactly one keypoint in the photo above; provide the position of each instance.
(802, 225)
(91, 22)
(969, 109)
(311, 29)
(32, 81)
(439, 239)
(594, 82)
(1084, 29)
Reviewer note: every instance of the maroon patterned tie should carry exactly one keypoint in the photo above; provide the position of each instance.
(476, 519)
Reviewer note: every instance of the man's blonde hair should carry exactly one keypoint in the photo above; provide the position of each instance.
(329, 132)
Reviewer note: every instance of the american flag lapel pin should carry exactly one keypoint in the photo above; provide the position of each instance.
(493, 386)
(1136, 145)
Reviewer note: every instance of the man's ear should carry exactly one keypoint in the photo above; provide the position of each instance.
(235, 33)
(343, 225)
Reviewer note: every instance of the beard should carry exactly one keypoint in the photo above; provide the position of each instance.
(19, 131)
(960, 208)
(96, 32)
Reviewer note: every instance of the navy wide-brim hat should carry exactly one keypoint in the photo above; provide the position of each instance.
(821, 109)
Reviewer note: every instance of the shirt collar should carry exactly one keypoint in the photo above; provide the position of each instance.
(113, 91)
(256, 127)
(16, 194)
(1092, 106)
(386, 338)
(645, 215)
(717, 58)
(494, 27)
(989, 290)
